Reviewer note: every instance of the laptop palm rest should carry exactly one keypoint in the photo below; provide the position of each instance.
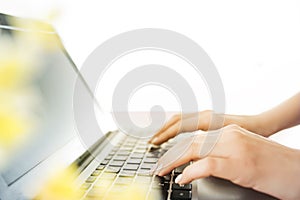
(212, 188)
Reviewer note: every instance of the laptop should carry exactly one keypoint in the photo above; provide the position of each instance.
(55, 143)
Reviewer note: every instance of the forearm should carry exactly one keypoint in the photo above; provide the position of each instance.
(283, 116)
(250, 122)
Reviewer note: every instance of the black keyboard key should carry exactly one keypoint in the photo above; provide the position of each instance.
(137, 155)
(179, 170)
(176, 186)
(100, 167)
(150, 160)
(90, 179)
(143, 179)
(115, 150)
(107, 176)
(126, 148)
(154, 148)
(120, 158)
(163, 179)
(129, 145)
(123, 153)
(140, 150)
(127, 173)
(181, 194)
(116, 163)
(112, 153)
(158, 185)
(85, 186)
(131, 167)
(143, 142)
(112, 169)
(134, 161)
(108, 158)
(96, 173)
(152, 155)
(104, 162)
(143, 172)
(147, 166)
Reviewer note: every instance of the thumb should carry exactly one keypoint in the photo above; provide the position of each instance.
(209, 166)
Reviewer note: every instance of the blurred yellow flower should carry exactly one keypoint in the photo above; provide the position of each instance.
(12, 128)
(61, 186)
(134, 192)
(16, 96)
(14, 131)
(19, 68)
(16, 64)
(10, 72)
(34, 36)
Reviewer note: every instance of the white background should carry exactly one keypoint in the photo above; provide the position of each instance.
(255, 45)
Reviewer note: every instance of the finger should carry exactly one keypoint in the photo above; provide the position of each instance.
(175, 119)
(166, 135)
(209, 166)
(191, 148)
(172, 121)
(179, 154)
(187, 124)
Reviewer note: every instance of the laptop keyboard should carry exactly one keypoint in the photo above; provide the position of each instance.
(129, 163)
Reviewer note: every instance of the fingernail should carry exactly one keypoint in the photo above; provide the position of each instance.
(178, 178)
(154, 140)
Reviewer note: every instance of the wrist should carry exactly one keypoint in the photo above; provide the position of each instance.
(253, 123)
(258, 124)
(265, 126)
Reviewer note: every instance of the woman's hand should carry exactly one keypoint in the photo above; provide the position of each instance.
(240, 156)
(265, 124)
(201, 121)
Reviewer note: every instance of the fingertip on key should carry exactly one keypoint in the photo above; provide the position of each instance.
(154, 140)
(178, 178)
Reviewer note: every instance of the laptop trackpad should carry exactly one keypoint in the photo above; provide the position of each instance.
(212, 188)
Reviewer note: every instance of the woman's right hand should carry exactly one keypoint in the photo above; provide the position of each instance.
(238, 155)
(201, 121)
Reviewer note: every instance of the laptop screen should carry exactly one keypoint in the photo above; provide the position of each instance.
(46, 96)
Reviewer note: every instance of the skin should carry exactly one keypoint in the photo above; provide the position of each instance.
(265, 124)
(242, 153)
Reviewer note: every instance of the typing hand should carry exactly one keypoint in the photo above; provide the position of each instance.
(182, 123)
(202, 121)
(240, 156)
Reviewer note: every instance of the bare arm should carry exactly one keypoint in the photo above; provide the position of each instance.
(283, 116)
